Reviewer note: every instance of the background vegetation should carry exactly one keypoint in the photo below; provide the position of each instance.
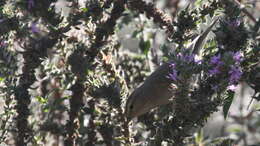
(68, 66)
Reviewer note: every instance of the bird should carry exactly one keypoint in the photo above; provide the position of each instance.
(157, 89)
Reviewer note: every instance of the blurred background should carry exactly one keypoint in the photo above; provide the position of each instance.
(137, 47)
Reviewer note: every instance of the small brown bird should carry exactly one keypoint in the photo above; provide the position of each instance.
(157, 89)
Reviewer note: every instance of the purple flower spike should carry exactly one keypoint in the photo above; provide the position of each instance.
(189, 58)
(172, 65)
(238, 57)
(234, 23)
(235, 74)
(186, 57)
(34, 28)
(197, 61)
(215, 59)
(173, 76)
(214, 71)
(173, 73)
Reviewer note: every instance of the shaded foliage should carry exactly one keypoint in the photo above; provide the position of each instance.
(64, 78)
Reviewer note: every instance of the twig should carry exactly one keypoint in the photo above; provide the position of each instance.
(245, 11)
(105, 29)
(158, 16)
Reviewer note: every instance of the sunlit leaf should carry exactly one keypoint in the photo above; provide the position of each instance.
(227, 102)
(84, 9)
(144, 46)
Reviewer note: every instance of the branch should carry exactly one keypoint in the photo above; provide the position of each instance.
(158, 16)
(76, 103)
(245, 11)
(34, 51)
(105, 29)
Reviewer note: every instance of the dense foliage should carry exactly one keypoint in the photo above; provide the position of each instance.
(66, 70)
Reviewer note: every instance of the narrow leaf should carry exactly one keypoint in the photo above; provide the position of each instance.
(227, 102)
(144, 46)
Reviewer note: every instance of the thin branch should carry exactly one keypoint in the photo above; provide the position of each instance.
(245, 11)
(158, 16)
(105, 29)
(34, 51)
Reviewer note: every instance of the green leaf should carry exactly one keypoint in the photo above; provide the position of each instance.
(227, 102)
(41, 99)
(222, 141)
(144, 46)
(198, 3)
(1, 79)
(121, 138)
(235, 129)
(199, 137)
(84, 9)
(46, 110)
(135, 33)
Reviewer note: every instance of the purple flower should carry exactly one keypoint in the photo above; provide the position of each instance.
(234, 23)
(189, 58)
(173, 73)
(179, 55)
(172, 65)
(173, 76)
(232, 87)
(30, 4)
(235, 74)
(197, 61)
(214, 71)
(237, 57)
(3, 44)
(215, 59)
(34, 28)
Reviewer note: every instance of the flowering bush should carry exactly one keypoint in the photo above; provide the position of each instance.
(67, 67)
